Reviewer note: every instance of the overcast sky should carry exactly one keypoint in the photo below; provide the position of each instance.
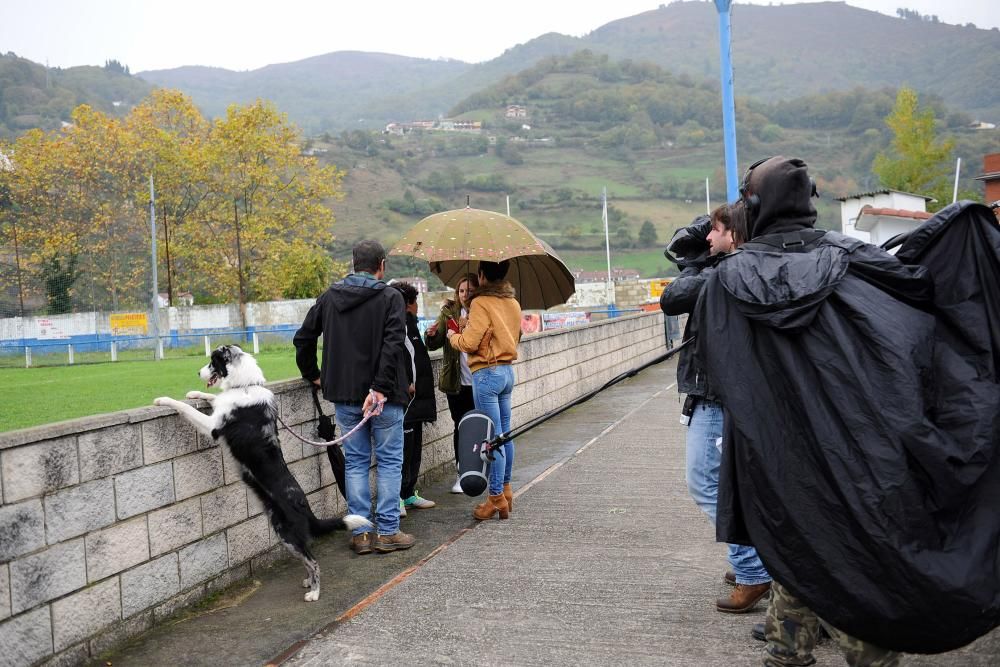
(247, 34)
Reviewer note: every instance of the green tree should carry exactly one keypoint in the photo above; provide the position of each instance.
(917, 162)
(647, 234)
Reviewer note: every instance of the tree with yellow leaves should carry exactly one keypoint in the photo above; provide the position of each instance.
(240, 209)
(170, 136)
(266, 207)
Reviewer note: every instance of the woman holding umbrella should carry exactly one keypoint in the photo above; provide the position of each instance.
(490, 339)
(456, 378)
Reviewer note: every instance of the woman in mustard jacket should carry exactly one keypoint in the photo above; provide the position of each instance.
(490, 339)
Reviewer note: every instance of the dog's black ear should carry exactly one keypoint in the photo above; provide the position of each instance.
(220, 361)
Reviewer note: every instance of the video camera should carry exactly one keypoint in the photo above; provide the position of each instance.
(689, 245)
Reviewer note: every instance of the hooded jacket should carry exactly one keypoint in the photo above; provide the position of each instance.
(784, 194)
(363, 327)
(860, 438)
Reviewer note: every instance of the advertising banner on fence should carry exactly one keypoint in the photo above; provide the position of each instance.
(562, 320)
(48, 330)
(531, 323)
(129, 324)
(656, 287)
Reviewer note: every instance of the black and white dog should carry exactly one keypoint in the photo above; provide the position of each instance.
(244, 416)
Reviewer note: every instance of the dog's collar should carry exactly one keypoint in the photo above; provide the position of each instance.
(244, 387)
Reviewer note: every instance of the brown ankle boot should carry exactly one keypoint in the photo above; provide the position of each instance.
(508, 495)
(743, 598)
(490, 507)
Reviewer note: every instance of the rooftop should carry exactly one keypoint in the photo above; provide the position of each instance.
(884, 191)
(896, 213)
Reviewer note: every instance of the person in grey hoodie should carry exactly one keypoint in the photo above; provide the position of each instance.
(363, 325)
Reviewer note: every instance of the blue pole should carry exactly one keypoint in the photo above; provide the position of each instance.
(728, 102)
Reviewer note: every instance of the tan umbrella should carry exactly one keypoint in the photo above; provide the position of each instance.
(454, 242)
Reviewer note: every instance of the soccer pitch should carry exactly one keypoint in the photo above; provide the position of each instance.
(33, 396)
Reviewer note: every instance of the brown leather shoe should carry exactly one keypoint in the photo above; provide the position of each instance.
(508, 495)
(729, 578)
(395, 542)
(491, 507)
(743, 598)
(361, 543)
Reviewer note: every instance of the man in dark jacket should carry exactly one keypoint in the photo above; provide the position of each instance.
(422, 407)
(363, 327)
(699, 246)
(815, 349)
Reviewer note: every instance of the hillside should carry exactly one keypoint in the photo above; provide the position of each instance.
(32, 97)
(792, 50)
(323, 93)
(650, 137)
(779, 52)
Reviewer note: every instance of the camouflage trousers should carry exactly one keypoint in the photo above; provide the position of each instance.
(792, 629)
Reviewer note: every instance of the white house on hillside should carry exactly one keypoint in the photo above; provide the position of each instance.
(898, 205)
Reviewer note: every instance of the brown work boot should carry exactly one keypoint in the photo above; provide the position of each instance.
(729, 578)
(361, 543)
(491, 507)
(395, 542)
(743, 598)
(508, 495)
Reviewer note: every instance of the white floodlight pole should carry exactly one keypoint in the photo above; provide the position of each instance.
(607, 247)
(958, 170)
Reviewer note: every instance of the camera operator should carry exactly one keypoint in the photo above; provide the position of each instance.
(699, 246)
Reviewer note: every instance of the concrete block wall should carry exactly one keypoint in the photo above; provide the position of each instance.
(111, 523)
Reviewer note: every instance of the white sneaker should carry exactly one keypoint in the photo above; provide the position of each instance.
(402, 508)
(457, 488)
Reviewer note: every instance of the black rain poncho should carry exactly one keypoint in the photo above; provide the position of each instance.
(862, 425)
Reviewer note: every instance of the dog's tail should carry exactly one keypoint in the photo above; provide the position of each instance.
(348, 522)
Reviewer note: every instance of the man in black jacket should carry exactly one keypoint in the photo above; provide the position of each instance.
(699, 246)
(363, 327)
(422, 407)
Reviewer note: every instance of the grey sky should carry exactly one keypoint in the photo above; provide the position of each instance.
(247, 34)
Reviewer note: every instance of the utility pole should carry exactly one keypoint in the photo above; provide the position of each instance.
(157, 350)
(728, 101)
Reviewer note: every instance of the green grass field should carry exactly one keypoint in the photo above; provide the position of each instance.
(649, 263)
(33, 396)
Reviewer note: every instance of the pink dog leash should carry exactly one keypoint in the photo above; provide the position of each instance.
(373, 411)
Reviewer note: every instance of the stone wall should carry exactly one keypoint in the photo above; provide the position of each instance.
(111, 523)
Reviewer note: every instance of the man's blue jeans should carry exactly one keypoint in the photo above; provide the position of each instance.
(386, 432)
(491, 390)
(703, 461)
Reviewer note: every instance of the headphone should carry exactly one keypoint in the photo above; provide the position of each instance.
(752, 202)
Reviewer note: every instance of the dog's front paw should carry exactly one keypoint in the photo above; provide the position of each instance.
(306, 583)
(312, 596)
(164, 401)
(193, 394)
